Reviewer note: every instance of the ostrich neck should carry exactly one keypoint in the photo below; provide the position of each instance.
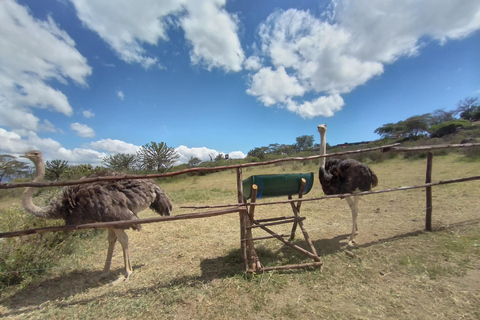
(323, 149)
(28, 192)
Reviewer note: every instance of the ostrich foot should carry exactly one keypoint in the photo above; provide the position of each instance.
(351, 243)
(120, 280)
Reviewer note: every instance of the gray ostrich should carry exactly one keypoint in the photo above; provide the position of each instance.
(340, 176)
(101, 201)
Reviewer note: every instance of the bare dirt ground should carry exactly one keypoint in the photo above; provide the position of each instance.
(191, 269)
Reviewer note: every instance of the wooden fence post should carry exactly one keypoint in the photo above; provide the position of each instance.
(428, 192)
(243, 216)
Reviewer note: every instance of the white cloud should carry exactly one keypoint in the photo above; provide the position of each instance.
(327, 58)
(274, 86)
(323, 106)
(47, 126)
(203, 154)
(386, 30)
(16, 117)
(114, 146)
(212, 31)
(82, 130)
(120, 94)
(33, 53)
(79, 156)
(128, 26)
(88, 114)
(237, 155)
(15, 143)
(18, 143)
(252, 63)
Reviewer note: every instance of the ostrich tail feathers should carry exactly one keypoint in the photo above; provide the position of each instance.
(374, 179)
(162, 203)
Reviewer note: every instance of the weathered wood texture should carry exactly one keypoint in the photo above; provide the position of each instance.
(432, 184)
(118, 224)
(428, 179)
(242, 216)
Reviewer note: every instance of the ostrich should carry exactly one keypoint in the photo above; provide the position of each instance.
(338, 176)
(101, 201)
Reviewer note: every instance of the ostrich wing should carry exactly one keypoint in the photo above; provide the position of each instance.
(109, 200)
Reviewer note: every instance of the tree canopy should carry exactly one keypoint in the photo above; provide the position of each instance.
(54, 169)
(304, 143)
(121, 162)
(157, 157)
(12, 168)
(436, 124)
(469, 109)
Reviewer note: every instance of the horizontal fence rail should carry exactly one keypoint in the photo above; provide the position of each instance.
(225, 208)
(237, 207)
(385, 148)
(117, 224)
(341, 195)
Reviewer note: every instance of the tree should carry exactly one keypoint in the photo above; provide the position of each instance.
(416, 125)
(389, 130)
(11, 168)
(219, 157)
(258, 153)
(194, 162)
(409, 128)
(273, 148)
(78, 171)
(286, 149)
(469, 109)
(157, 157)
(304, 143)
(54, 169)
(440, 116)
(120, 162)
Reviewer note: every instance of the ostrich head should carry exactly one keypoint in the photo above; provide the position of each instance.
(322, 128)
(35, 156)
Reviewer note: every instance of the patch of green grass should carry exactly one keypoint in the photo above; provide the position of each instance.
(449, 255)
(23, 258)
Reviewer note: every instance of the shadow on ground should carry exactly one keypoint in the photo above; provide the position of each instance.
(58, 289)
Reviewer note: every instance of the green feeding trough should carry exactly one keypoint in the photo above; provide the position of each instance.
(274, 185)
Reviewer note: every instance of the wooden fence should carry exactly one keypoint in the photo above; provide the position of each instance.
(241, 206)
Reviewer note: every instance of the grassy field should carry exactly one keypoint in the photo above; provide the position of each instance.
(191, 269)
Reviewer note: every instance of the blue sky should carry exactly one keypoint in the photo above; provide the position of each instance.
(81, 80)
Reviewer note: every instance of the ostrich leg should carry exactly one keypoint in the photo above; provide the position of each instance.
(123, 239)
(112, 239)
(354, 208)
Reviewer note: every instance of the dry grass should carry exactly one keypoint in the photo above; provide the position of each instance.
(191, 269)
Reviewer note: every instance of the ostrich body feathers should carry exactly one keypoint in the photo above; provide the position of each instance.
(106, 201)
(346, 176)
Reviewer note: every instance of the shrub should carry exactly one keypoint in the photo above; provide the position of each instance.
(448, 127)
(472, 153)
(23, 258)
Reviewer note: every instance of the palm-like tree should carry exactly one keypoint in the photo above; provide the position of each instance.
(157, 157)
(11, 168)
